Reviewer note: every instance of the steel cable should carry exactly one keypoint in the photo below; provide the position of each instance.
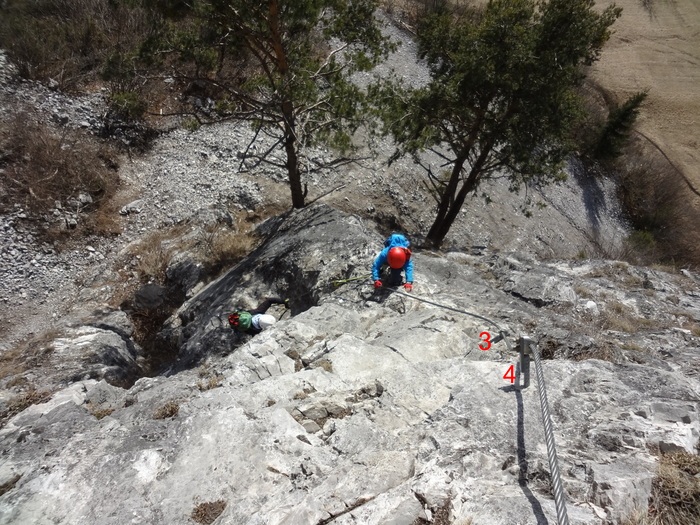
(557, 488)
(491, 321)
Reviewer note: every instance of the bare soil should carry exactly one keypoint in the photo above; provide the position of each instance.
(656, 47)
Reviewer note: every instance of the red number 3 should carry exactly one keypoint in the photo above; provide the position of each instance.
(486, 338)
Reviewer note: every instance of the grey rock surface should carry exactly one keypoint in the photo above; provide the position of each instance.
(364, 407)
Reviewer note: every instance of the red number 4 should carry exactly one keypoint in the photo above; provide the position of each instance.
(485, 339)
(510, 374)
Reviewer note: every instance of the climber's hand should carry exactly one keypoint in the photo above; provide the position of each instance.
(377, 284)
(408, 287)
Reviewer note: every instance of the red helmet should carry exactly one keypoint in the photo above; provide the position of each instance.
(397, 257)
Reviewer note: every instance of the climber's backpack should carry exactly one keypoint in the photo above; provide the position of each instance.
(240, 320)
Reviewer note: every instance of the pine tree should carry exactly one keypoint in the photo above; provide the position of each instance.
(618, 127)
(501, 96)
(282, 65)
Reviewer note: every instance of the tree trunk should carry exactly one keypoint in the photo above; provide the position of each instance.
(444, 222)
(287, 107)
(446, 199)
(293, 165)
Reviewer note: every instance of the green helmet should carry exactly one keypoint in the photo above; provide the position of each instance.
(240, 320)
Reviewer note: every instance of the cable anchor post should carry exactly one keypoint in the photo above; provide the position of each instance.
(525, 350)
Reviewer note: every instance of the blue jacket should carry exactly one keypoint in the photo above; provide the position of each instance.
(396, 239)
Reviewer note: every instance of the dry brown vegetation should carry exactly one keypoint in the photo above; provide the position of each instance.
(168, 410)
(99, 413)
(27, 355)
(621, 318)
(223, 247)
(209, 379)
(44, 167)
(206, 513)
(441, 516)
(675, 496)
(22, 401)
(217, 246)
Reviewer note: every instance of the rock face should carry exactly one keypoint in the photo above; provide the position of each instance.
(369, 407)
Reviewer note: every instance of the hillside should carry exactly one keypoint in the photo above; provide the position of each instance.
(656, 46)
(126, 398)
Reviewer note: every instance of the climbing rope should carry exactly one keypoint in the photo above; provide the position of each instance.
(338, 282)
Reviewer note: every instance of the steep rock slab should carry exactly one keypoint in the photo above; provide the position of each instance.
(368, 408)
(303, 252)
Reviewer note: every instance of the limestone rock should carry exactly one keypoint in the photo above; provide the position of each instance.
(364, 407)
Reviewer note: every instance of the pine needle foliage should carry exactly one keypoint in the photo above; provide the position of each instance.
(618, 127)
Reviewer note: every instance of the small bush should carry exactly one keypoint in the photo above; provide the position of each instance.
(169, 409)
(675, 498)
(206, 513)
(43, 167)
(127, 105)
(69, 41)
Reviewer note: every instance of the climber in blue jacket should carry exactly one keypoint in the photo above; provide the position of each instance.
(397, 256)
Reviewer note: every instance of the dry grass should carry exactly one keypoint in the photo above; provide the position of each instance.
(208, 378)
(44, 166)
(206, 513)
(168, 410)
(582, 291)
(99, 413)
(27, 355)
(325, 364)
(605, 351)
(153, 252)
(441, 516)
(638, 517)
(222, 247)
(621, 318)
(675, 496)
(217, 246)
(22, 401)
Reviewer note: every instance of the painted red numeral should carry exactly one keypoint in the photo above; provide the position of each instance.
(485, 338)
(510, 374)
